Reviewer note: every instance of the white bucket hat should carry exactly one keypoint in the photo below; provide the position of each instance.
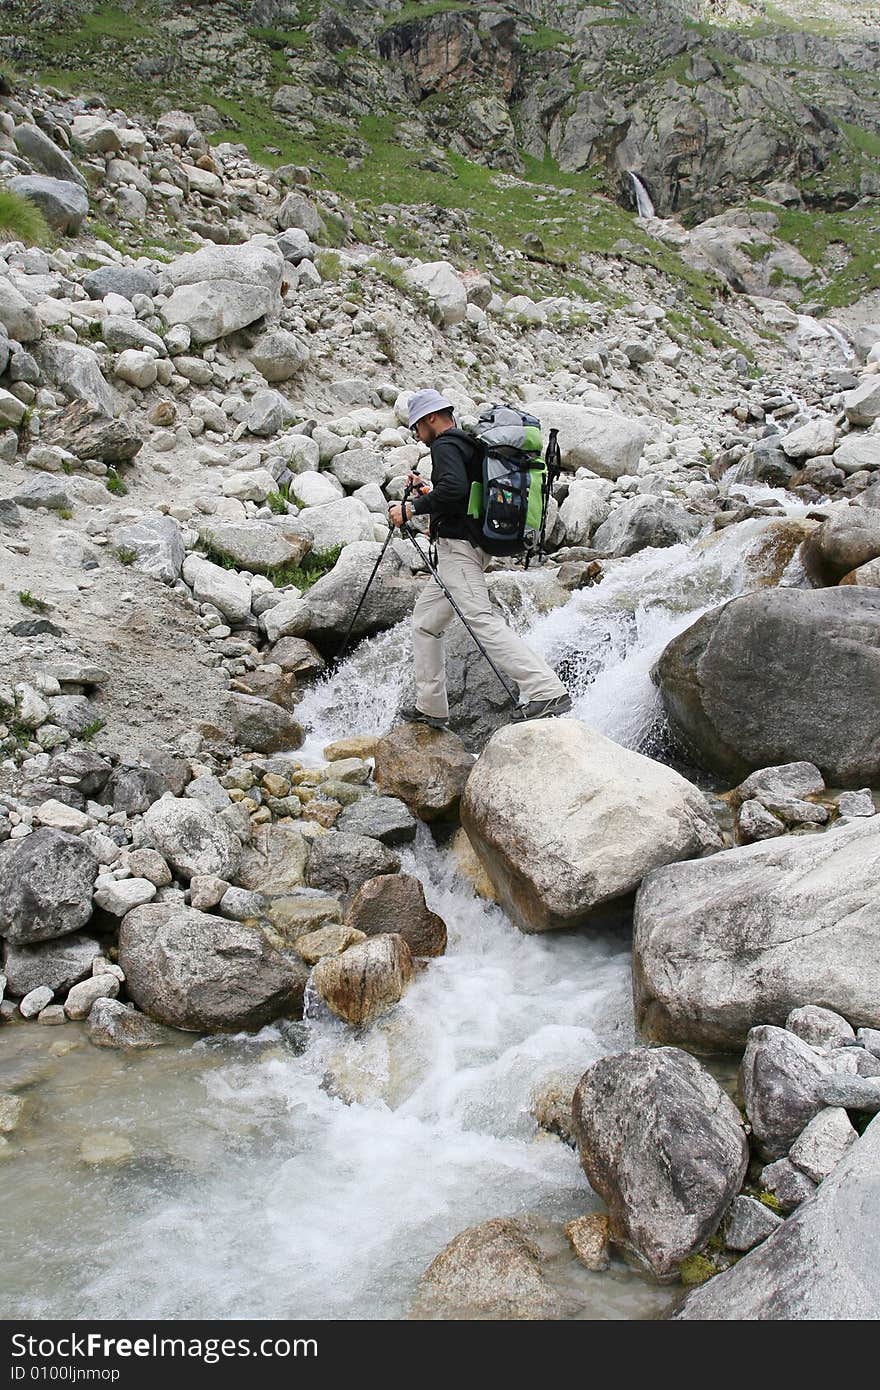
(425, 403)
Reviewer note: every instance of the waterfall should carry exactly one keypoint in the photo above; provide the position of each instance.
(810, 329)
(643, 198)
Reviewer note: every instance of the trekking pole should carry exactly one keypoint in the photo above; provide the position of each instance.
(405, 529)
(381, 556)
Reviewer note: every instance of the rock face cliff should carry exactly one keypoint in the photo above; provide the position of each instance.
(707, 103)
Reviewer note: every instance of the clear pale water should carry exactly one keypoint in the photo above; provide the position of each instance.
(315, 1171)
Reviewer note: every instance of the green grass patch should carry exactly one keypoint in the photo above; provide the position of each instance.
(427, 10)
(311, 568)
(125, 555)
(102, 232)
(868, 141)
(37, 605)
(277, 501)
(812, 232)
(329, 265)
(113, 482)
(22, 220)
(9, 79)
(91, 729)
(281, 38)
(542, 39)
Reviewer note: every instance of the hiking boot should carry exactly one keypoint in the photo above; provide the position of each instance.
(411, 714)
(542, 709)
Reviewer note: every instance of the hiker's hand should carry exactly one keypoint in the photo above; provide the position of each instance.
(417, 483)
(395, 513)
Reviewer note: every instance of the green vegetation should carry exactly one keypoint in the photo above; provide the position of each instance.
(417, 10)
(38, 605)
(9, 79)
(855, 231)
(310, 569)
(102, 232)
(277, 501)
(125, 555)
(91, 729)
(329, 265)
(695, 1269)
(770, 1200)
(114, 483)
(542, 39)
(22, 220)
(64, 513)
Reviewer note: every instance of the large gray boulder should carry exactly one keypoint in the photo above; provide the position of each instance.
(645, 521)
(253, 545)
(275, 861)
(779, 1083)
(58, 964)
(822, 1265)
(743, 938)
(568, 823)
(220, 289)
(330, 605)
(77, 371)
(85, 430)
(341, 862)
(18, 317)
(206, 974)
(263, 726)
(843, 542)
(64, 204)
(45, 156)
(46, 882)
(279, 355)
(156, 545)
(127, 280)
(604, 441)
(193, 839)
(777, 676)
(664, 1147)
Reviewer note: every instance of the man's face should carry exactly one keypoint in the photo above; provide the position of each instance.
(428, 428)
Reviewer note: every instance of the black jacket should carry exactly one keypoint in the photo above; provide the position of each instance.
(456, 462)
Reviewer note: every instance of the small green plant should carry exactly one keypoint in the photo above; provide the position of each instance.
(66, 467)
(770, 1200)
(91, 729)
(310, 569)
(389, 272)
(38, 605)
(9, 79)
(125, 555)
(65, 513)
(696, 1269)
(114, 483)
(329, 265)
(21, 220)
(277, 501)
(102, 232)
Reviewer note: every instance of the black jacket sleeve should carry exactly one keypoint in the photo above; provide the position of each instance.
(451, 486)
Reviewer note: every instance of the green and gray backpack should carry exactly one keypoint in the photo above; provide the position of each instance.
(509, 502)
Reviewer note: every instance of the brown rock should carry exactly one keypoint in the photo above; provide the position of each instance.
(88, 433)
(298, 656)
(426, 768)
(324, 813)
(358, 746)
(471, 867)
(396, 902)
(366, 980)
(589, 1236)
(279, 688)
(488, 1272)
(331, 940)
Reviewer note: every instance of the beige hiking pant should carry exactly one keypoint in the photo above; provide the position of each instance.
(460, 566)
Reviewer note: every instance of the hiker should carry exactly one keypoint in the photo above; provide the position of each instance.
(455, 460)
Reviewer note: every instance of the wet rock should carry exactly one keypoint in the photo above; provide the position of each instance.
(366, 980)
(597, 818)
(341, 863)
(795, 780)
(723, 943)
(58, 964)
(35, 1001)
(80, 999)
(12, 1109)
(330, 605)
(645, 521)
(204, 974)
(275, 862)
(396, 902)
(105, 1148)
(263, 726)
(821, 1265)
(589, 1238)
(383, 818)
(751, 683)
(113, 1024)
(748, 1223)
(294, 916)
(843, 542)
(298, 657)
(425, 768)
(489, 1272)
(330, 940)
(45, 886)
(664, 1147)
(191, 838)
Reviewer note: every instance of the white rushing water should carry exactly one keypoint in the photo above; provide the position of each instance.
(315, 1171)
(644, 205)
